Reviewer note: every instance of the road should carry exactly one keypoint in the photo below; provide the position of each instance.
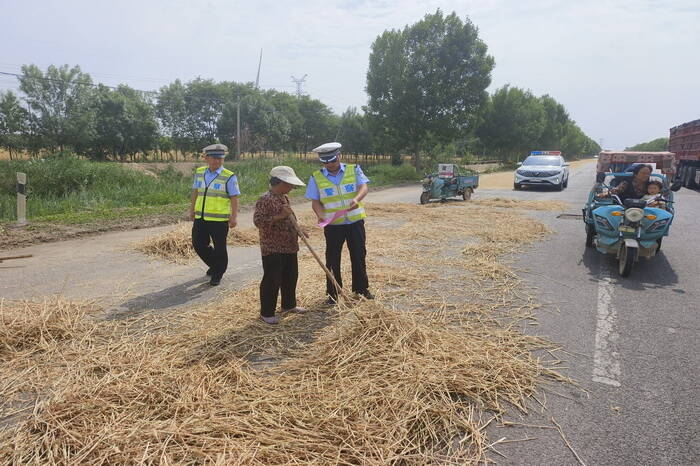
(633, 342)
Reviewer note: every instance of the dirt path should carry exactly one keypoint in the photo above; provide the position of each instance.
(107, 265)
(109, 269)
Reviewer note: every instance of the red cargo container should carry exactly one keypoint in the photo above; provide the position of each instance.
(684, 141)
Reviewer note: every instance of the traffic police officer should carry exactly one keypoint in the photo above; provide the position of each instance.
(213, 209)
(336, 192)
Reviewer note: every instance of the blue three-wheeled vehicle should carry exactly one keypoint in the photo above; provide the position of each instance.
(629, 228)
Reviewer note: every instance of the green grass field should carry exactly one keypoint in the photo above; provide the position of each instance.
(69, 190)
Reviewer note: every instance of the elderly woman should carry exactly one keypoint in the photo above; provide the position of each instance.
(637, 187)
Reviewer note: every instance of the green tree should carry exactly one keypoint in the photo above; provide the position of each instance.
(656, 145)
(288, 105)
(172, 113)
(12, 122)
(556, 121)
(125, 123)
(353, 132)
(60, 106)
(320, 124)
(513, 123)
(265, 127)
(427, 80)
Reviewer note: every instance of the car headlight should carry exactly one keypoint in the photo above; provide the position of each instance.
(634, 214)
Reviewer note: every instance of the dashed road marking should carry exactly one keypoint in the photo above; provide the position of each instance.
(606, 358)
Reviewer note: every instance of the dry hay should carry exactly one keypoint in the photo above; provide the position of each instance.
(28, 326)
(176, 245)
(413, 377)
(520, 204)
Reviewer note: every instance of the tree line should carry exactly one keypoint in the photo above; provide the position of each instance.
(427, 96)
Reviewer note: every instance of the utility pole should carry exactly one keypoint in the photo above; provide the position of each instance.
(299, 82)
(238, 127)
(257, 78)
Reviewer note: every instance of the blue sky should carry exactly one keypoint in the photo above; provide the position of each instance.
(626, 70)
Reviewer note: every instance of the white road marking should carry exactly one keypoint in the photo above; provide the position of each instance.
(606, 359)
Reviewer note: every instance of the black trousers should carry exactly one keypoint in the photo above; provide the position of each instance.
(354, 234)
(205, 232)
(280, 272)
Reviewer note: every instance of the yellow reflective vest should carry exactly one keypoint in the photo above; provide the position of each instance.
(213, 202)
(335, 197)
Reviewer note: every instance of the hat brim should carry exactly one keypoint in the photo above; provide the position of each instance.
(293, 180)
(328, 158)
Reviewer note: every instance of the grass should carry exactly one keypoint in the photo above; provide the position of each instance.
(69, 190)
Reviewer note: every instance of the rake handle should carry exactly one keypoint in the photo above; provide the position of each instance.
(329, 274)
(6, 258)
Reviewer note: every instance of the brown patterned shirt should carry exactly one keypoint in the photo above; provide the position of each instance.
(275, 237)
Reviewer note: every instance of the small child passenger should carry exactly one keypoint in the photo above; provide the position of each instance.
(654, 194)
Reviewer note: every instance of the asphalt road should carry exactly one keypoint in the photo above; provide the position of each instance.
(633, 342)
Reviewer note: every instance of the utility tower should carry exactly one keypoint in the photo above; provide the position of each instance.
(299, 82)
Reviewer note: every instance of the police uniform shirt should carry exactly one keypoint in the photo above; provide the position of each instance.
(312, 188)
(209, 176)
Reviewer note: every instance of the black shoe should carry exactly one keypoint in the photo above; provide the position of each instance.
(366, 294)
(331, 301)
(210, 271)
(215, 281)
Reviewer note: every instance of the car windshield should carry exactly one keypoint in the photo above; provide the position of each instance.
(542, 160)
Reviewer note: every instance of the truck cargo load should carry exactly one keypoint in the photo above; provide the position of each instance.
(684, 142)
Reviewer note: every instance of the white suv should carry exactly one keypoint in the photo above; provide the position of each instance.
(542, 170)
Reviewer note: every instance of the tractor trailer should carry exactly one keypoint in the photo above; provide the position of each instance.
(684, 141)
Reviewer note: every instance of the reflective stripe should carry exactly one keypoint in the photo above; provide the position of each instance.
(223, 216)
(214, 194)
(333, 205)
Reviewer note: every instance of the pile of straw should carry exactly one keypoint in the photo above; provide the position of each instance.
(519, 204)
(176, 245)
(27, 326)
(413, 377)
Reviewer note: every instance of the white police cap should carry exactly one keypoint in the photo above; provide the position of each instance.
(328, 152)
(216, 150)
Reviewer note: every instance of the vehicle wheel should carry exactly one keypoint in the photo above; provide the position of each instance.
(686, 178)
(626, 261)
(424, 197)
(658, 247)
(560, 186)
(516, 186)
(691, 177)
(566, 183)
(467, 194)
(590, 234)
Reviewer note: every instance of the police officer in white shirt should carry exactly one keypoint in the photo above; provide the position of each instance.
(336, 192)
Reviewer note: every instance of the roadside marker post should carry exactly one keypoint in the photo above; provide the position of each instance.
(21, 198)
